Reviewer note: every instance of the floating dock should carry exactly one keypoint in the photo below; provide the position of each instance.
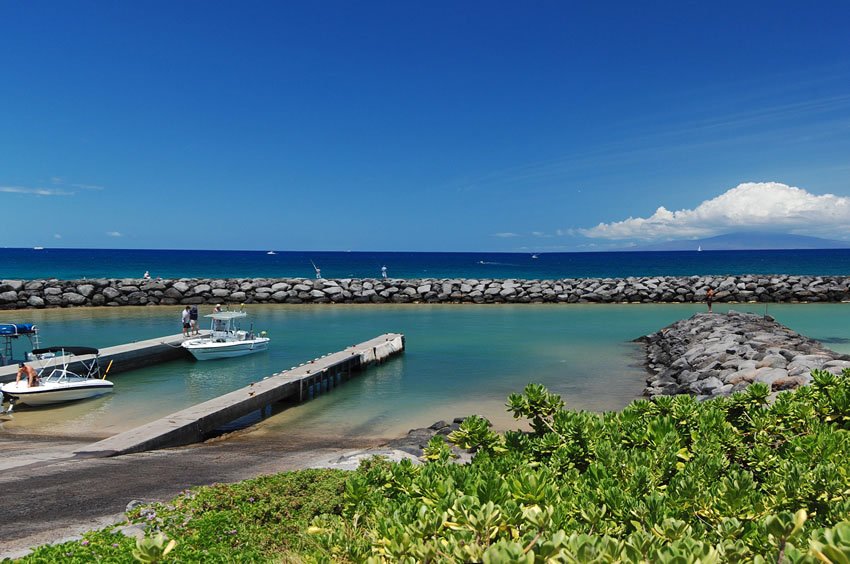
(301, 383)
(123, 357)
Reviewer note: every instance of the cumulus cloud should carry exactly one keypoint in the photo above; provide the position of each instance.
(114, 234)
(752, 205)
(34, 191)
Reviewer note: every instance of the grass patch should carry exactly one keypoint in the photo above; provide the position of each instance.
(258, 520)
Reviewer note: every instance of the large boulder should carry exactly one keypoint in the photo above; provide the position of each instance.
(73, 298)
(8, 297)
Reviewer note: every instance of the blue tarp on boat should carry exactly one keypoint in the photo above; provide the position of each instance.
(17, 328)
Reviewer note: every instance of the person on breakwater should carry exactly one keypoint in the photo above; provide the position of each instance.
(384, 272)
(709, 298)
(317, 269)
(186, 319)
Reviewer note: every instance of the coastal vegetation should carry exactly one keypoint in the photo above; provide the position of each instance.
(732, 479)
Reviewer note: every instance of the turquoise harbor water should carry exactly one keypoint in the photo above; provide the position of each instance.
(459, 360)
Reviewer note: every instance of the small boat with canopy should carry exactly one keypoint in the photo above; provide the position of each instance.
(57, 382)
(226, 339)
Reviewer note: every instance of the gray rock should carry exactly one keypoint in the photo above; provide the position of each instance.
(14, 285)
(73, 298)
(770, 375)
(85, 290)
(710, 355)
(111, 293)
(772, 361)
(181, 287)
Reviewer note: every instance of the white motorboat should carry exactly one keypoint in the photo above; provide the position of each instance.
(226, 339)
(61, 384)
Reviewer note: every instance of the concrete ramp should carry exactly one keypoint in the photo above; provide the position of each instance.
(300, 383)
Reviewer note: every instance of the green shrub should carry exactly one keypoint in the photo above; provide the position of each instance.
(731, 479)
(736, 479)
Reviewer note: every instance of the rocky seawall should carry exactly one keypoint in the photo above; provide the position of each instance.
(711, 354)
(20, 294)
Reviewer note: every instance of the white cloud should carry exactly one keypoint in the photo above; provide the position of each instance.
(34, 191)
(57, 236)
(114, 234)
(88, 186)
(752, 205)
(505, 235)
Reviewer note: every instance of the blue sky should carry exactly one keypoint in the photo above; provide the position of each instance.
(441, 126)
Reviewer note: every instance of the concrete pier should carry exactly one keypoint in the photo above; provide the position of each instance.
(123, 357)
(300, 383)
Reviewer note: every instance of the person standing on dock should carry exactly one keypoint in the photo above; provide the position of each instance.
(193, 320)
(186, 319)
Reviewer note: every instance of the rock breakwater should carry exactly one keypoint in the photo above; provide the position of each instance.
(19, 294)
(711, 354)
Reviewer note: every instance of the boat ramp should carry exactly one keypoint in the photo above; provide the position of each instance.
(299, 384)
(196, 423)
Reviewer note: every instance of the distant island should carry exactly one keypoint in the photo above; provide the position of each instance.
(746, 240)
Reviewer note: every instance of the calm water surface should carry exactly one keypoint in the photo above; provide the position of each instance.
(459, 360)
(69, 264)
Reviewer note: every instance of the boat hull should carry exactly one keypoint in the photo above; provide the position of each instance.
(50, 393)
(203, 349)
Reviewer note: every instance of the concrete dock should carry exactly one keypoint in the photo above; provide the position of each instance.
(123, 357)
(300, 383)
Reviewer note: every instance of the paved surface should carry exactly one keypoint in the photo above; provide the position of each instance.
(50, 496)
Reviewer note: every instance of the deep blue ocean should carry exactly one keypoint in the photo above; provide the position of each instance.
(70, 264)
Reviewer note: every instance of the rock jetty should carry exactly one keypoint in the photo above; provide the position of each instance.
(712, 354)
(20, 294)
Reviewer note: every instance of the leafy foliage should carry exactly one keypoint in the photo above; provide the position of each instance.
(672, 480)
(739, 479)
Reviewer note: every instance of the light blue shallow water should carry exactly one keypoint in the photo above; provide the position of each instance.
(459, 360)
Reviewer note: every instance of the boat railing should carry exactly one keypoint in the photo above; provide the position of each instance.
(60, 375)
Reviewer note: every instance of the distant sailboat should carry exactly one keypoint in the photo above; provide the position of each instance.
(38, 248)
(534, 256)
(271, 253)
(699, 248)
